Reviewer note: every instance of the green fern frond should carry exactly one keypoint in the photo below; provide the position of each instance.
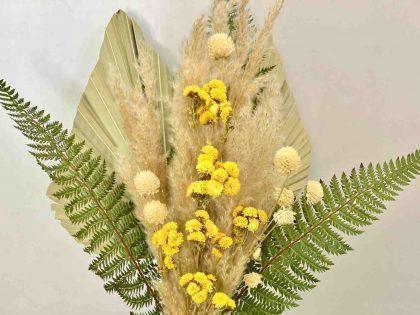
(95, 200)
(292, 255)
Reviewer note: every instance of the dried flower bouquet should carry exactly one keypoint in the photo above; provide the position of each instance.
(191, 192)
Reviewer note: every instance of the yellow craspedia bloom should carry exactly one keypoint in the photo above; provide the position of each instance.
(237, 210)
(216, 252)
(191, 89)
(200, 277)
(287, 160)
(175, 239)
(205, 158)
(225, 111)
(211, 228)
(202, 214)
(262, 216)
(186, 278)
(193, 225)
(205, 167)
(314, 192)
(200, 297)
(169, 250)
(225, 242)
(199, 285)
(253, 224)
(170, 226)
(197, 237)
(198, 187)
(169, 263)
(215, 84)
(169, 239)
(221, 300)
(193, 288)
(250, 212)
(232, 186)
(240, 222)
(218, 94)
(220, 46)
(214, 188)
(231, 168)
(220, 175)
(207, 117)
(159, 238)
(210, 151)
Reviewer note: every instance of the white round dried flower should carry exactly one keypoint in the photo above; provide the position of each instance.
(155, 212)
(287, 160)
(284, 197)
(284, 217)
(146, 183)
(257, 254)
(314, 192)
(220, 46)
(252, 280)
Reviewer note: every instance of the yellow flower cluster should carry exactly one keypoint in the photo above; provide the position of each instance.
(221, 300)
(203, 228)
(247, 218)
(198, 285)
(211, 102)
(169, 239)
(215, 177)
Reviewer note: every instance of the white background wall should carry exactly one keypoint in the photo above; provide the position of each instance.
(355, 71)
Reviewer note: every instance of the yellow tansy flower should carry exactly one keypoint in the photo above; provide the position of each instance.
(193, 225)
(202, 214)
(221, 300)
(240, 221)
(232, 168)
(220, 175)
(214, 188)
(253, 224)
(197, 237)
(232, 186)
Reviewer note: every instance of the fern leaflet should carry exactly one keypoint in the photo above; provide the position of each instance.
(292, 255)
(94, 200)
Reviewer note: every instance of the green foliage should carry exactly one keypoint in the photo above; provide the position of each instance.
(94, 200)
(292, 255)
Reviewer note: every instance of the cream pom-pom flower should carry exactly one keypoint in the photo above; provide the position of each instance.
(314, 192)
(287, 160)
(257, 254)
(252, 280)
(284, 197)
(146, 183)
(220, 46)
(284, 217)
(154, 212)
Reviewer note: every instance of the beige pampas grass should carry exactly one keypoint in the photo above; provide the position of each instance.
(249, 139)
